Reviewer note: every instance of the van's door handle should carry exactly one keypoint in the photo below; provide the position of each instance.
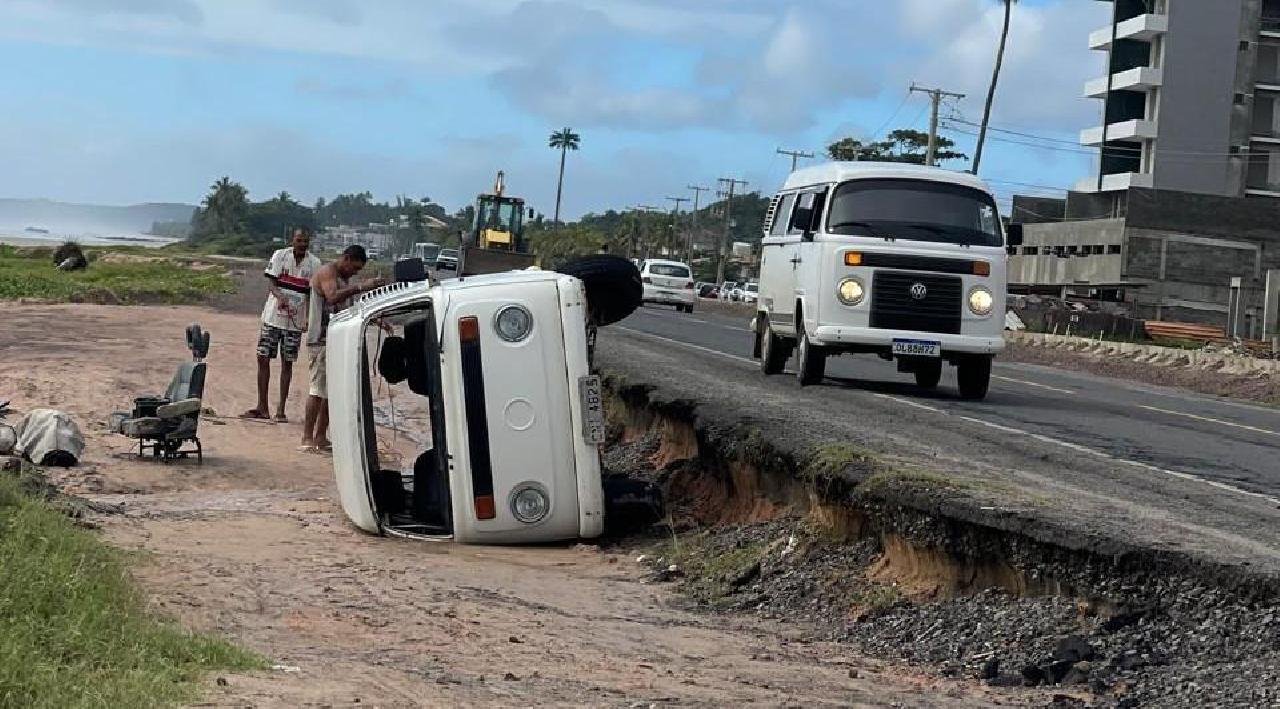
(794, 261)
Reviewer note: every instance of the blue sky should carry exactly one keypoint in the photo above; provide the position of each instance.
(151, 100)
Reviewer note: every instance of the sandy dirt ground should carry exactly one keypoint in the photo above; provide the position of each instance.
(253, 545)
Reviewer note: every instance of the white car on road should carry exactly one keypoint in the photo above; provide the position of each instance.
(668, 283)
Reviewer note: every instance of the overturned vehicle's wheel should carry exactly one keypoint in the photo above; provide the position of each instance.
(613, 286)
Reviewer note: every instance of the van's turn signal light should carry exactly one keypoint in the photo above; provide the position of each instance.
(485, 508)
(469, 329)
(981, 268)
(852, 258)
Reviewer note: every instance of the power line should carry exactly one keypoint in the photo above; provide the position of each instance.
(905, 97)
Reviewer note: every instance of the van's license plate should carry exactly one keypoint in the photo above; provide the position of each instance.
(592, 409)
(917, 348)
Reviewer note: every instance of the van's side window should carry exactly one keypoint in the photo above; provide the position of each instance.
(813, 201)
(782, 215)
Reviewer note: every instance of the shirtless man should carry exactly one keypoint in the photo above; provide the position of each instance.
(330, 292)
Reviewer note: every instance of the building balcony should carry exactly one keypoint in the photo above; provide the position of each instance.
(1125, 130)
(1143, 78)
(1142, 27)
(1116, 182)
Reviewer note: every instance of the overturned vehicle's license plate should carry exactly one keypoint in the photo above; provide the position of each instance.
(917, 348)
(592, 409)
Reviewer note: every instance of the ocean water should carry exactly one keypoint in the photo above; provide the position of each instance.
(21, 237)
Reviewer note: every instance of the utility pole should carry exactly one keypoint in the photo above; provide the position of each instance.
(936, 96)
(795, 155)
(728, 222)
(697, 193)
(675, 219)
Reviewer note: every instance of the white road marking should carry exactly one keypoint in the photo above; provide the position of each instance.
(1001, 427)
(1032, 384)
(909, 402)
(1232, 424)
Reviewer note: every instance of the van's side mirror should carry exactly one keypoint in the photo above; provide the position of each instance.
(1013, 235)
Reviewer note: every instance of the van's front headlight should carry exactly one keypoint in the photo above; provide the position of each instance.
(850, 291)
(513, 323)
(981, 300)
(529, 503)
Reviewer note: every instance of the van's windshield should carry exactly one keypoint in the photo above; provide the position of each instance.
(918, 210)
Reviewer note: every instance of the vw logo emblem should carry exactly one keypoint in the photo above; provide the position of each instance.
(919, 291)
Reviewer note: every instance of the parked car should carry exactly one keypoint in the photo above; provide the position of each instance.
(749, 292)
(726, 290)
(709, 290)
(904, 261)
(516, 417)
(668, 283)
(447, 260)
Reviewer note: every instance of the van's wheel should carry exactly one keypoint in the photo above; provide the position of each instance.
(974, 375)
(811, 360)
(774, 351)
(928, 374)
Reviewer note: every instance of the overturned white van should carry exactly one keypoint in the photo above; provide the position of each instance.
(515, 416)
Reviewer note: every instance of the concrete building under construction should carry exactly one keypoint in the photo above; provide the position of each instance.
(1182, 219)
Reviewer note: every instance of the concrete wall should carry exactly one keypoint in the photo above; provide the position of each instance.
(1201, 61)
(1188, 277)
(1064, 253)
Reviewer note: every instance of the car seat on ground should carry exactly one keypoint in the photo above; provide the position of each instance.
(168, 426)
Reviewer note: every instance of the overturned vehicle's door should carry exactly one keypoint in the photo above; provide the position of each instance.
(358, 337)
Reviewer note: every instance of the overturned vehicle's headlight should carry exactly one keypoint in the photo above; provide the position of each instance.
(980, 301)
(529, 503)
(513, 323)
(850, 291)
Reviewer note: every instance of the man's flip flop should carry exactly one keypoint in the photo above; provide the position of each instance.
(254, 414)
(281, 418)
(307, 449)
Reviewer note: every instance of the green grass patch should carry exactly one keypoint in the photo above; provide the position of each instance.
(73, 627)
(30, 273)
(712, 565)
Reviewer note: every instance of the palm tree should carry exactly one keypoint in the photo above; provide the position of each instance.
(991, 92)
(564, 141)
(226, 205)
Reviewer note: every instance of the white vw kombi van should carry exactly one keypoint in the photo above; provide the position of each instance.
(902, 261)
(515, 415)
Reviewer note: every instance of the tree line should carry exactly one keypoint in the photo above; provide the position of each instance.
(227, 221)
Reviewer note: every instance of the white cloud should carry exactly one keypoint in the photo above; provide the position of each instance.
(1047, 60)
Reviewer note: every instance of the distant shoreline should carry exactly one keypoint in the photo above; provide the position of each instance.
(28, 239)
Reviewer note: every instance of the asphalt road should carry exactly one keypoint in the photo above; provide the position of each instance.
(1232, 446)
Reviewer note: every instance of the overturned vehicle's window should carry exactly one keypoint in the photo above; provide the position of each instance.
(916, 210)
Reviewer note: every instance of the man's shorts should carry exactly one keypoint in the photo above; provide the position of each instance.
(271, 338)
(316, 365)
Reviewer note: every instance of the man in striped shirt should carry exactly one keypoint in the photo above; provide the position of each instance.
(284, 318)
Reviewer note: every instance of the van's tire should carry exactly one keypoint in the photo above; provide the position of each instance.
(928, 374)
(774, 350)
(974, 376)
(613, 285)
(811, 360)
